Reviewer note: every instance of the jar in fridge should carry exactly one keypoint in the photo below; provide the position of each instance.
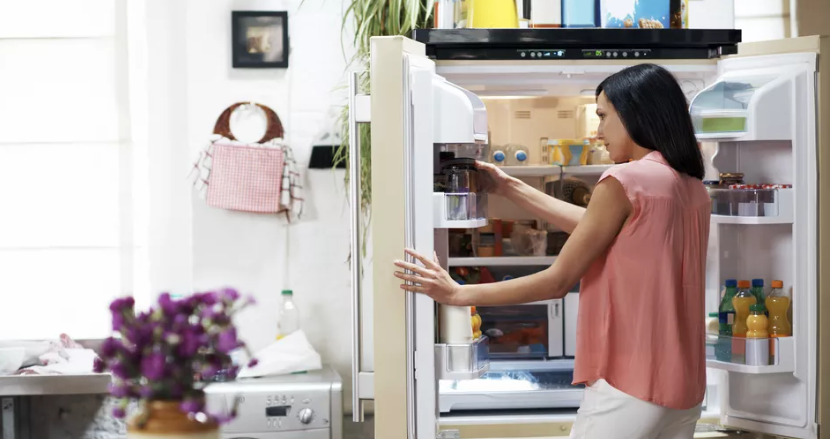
(730, 178)
(460, 175)
(463, 192)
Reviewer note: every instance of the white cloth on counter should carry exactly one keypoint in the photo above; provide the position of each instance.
(54, 357)
(291, 354)
(79, 362)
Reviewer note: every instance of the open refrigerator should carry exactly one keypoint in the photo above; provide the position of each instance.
(762, 112)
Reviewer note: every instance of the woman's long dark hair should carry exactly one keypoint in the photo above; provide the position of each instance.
(653, 110)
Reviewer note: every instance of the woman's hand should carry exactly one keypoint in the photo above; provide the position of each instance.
(430, 279)
(499, 181)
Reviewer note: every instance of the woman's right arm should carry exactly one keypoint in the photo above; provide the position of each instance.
(562, 214)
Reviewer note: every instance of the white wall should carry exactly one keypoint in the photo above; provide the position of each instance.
(761, 20)
(191, 83)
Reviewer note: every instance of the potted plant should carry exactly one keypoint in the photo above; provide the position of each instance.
(372, 18)
(159, 358)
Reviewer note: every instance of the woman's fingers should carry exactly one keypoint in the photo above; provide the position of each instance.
(411, 278)
(413, 268)
(424, 260)
(483, 165)
(413, 288)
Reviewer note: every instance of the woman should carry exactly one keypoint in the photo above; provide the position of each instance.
(639, 250)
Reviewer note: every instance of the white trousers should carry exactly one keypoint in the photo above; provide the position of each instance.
(607, 413)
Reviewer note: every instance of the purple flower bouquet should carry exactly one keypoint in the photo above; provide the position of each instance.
(162, 354)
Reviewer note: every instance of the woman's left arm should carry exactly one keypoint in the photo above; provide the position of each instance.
(607, 213)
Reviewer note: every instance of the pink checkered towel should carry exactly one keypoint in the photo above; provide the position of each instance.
(245, 178)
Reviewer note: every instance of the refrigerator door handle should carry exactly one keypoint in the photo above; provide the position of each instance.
(359, 112)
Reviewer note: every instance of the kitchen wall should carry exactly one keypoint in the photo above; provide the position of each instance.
(189, 82)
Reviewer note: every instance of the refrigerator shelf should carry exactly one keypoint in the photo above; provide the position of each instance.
(781, 355)
(502, 261)
(462, 361)
(549, 170)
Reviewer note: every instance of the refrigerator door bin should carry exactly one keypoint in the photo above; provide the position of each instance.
(460, 210)
(733, 354)
(462, 361)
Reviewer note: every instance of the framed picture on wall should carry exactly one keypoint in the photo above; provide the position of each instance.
(260, 39)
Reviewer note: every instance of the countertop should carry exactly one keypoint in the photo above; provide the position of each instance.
(23, 385)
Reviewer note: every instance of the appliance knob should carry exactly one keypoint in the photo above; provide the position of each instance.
(521, 156)
(306, 415)
(498, 156)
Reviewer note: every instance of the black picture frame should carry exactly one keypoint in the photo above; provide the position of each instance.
(260, 39)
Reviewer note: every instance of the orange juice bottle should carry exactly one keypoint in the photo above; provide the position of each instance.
(742, 301)
(756, 323)
(757, 337)
(475, 320)
(778, 302)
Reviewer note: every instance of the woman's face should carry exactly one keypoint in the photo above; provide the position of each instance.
(612, 132)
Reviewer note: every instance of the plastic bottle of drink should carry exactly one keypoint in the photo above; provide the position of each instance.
(757, 343)
(756, 322)
(758, 290)
(742, 301)
(499, 157)
(289, 315)
(516, 155)
(726, 317)
(778, 302)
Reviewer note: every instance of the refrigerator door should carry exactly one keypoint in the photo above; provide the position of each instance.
(405, 386)
(779, 398)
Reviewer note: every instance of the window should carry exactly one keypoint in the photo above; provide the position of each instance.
(72, 197)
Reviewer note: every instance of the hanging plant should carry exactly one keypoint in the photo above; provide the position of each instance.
(372, 18)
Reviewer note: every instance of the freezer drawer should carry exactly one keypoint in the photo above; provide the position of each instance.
(512, 390)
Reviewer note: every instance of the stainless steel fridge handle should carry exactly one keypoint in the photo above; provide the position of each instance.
(354, 262)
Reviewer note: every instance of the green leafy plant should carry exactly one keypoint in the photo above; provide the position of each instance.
(372, 18)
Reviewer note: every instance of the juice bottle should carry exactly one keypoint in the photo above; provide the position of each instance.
(742, 300)
(726, 311)
(757, 337)
(726, 317)
(758, 290)
(756, 323)
(475, 320)
(778, 302)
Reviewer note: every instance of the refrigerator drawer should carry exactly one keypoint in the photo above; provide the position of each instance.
(511, 390)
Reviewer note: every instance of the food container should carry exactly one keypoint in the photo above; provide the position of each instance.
(730, 178)
(486, 251)
(746, 200)
(711, 188)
